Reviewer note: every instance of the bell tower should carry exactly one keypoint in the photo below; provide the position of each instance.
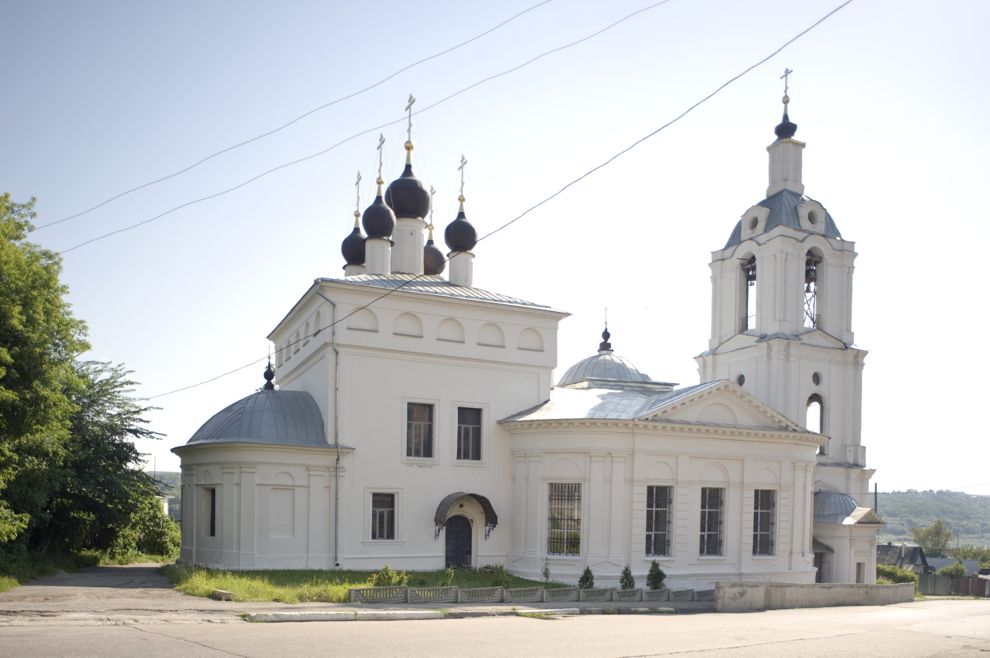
(782, 319)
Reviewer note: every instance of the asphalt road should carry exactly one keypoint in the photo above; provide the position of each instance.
(141, 616)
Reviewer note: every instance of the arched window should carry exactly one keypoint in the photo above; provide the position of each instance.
(748, 316)
(812, 261)
(815, 419)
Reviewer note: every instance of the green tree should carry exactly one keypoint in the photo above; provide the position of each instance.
(656, 576)
(100, 493)
(933, 538)
(626, 580)
(38, 340)
(955, 570)
(587, 579)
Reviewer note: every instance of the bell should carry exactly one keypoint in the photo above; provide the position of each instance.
(810, 272)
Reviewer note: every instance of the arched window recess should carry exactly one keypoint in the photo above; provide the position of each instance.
(815, 419)
(812, 318)
(748, 318)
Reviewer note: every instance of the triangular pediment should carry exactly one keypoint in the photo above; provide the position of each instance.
(724, 404)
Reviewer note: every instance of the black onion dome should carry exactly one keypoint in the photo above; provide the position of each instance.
(378, 219)
(785, 129)
(407, 196)
(352, 248)
(460, 235)
(433, 260)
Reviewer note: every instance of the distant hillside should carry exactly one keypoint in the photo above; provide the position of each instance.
(966, 515)
(169, 482)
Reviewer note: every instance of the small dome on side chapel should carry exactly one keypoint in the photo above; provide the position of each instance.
(605, 365)
(270, 417)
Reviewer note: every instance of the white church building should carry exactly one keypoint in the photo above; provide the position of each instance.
(417, 423)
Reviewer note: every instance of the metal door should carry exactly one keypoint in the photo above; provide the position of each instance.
(458, 541)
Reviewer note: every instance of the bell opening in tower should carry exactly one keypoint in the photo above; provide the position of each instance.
(747, 320)
(812, 319)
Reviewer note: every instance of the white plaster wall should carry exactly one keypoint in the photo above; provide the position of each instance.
(615, 463)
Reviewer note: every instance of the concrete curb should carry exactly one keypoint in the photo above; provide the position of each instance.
(407, 615)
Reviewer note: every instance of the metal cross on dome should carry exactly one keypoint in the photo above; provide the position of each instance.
(432, 192)
(409, 104)
(357, 189)
(381, 143)
(787, 72)
(461, 169)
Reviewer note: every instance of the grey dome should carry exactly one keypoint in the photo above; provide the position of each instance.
(833, 506)
(783, 207)
(407, 195)
(433, 260)
(460, 234)
(604, 365)
(378, 219)
(289, 418)
(352, 248)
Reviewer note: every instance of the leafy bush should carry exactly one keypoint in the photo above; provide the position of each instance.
(587, 579)
(388, 578)
(500, 578)
(626, 580)
(149, 531)
(956, 570)
(897, 575)
(656, 576)
(546, 571)
(448, 577)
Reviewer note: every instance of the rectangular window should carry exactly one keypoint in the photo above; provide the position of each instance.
(212, 495)
(468, 433)
(764, 521)
(712, 513)
(658, 516)
(382, 516)
(564, 522)
(419, 430)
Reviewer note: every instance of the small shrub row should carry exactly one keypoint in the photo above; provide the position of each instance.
(654, 579)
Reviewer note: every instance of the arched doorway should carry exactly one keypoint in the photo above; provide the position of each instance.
(458, 541)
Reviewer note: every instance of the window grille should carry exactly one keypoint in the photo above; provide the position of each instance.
(468, 433)
(658, 517)
(712, 512)
(764, 521)
(564, 523)
(419, 430)
(383, 516)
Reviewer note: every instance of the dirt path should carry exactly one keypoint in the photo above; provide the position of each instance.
(111, 595)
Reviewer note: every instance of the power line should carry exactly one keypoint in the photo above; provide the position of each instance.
(361, 133)
(512, 221)
(285, 125)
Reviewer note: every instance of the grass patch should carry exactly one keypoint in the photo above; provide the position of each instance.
(7, 583)
(309, 586)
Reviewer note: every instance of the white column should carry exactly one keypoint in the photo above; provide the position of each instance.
(318, 539)
(785, 166)
(407, 252)
(461, 268)
(228, 518)
(249, 515)
(377, 256)
(353, 270)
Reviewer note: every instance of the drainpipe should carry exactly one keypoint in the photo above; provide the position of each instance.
(336, 417)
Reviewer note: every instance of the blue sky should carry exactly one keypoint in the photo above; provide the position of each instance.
(891, 98)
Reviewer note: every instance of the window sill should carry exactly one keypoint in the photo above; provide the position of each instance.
(473, 463)
(420, 461)
(382, 542)
(711, 558)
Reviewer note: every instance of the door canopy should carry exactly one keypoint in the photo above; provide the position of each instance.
(443, 509)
